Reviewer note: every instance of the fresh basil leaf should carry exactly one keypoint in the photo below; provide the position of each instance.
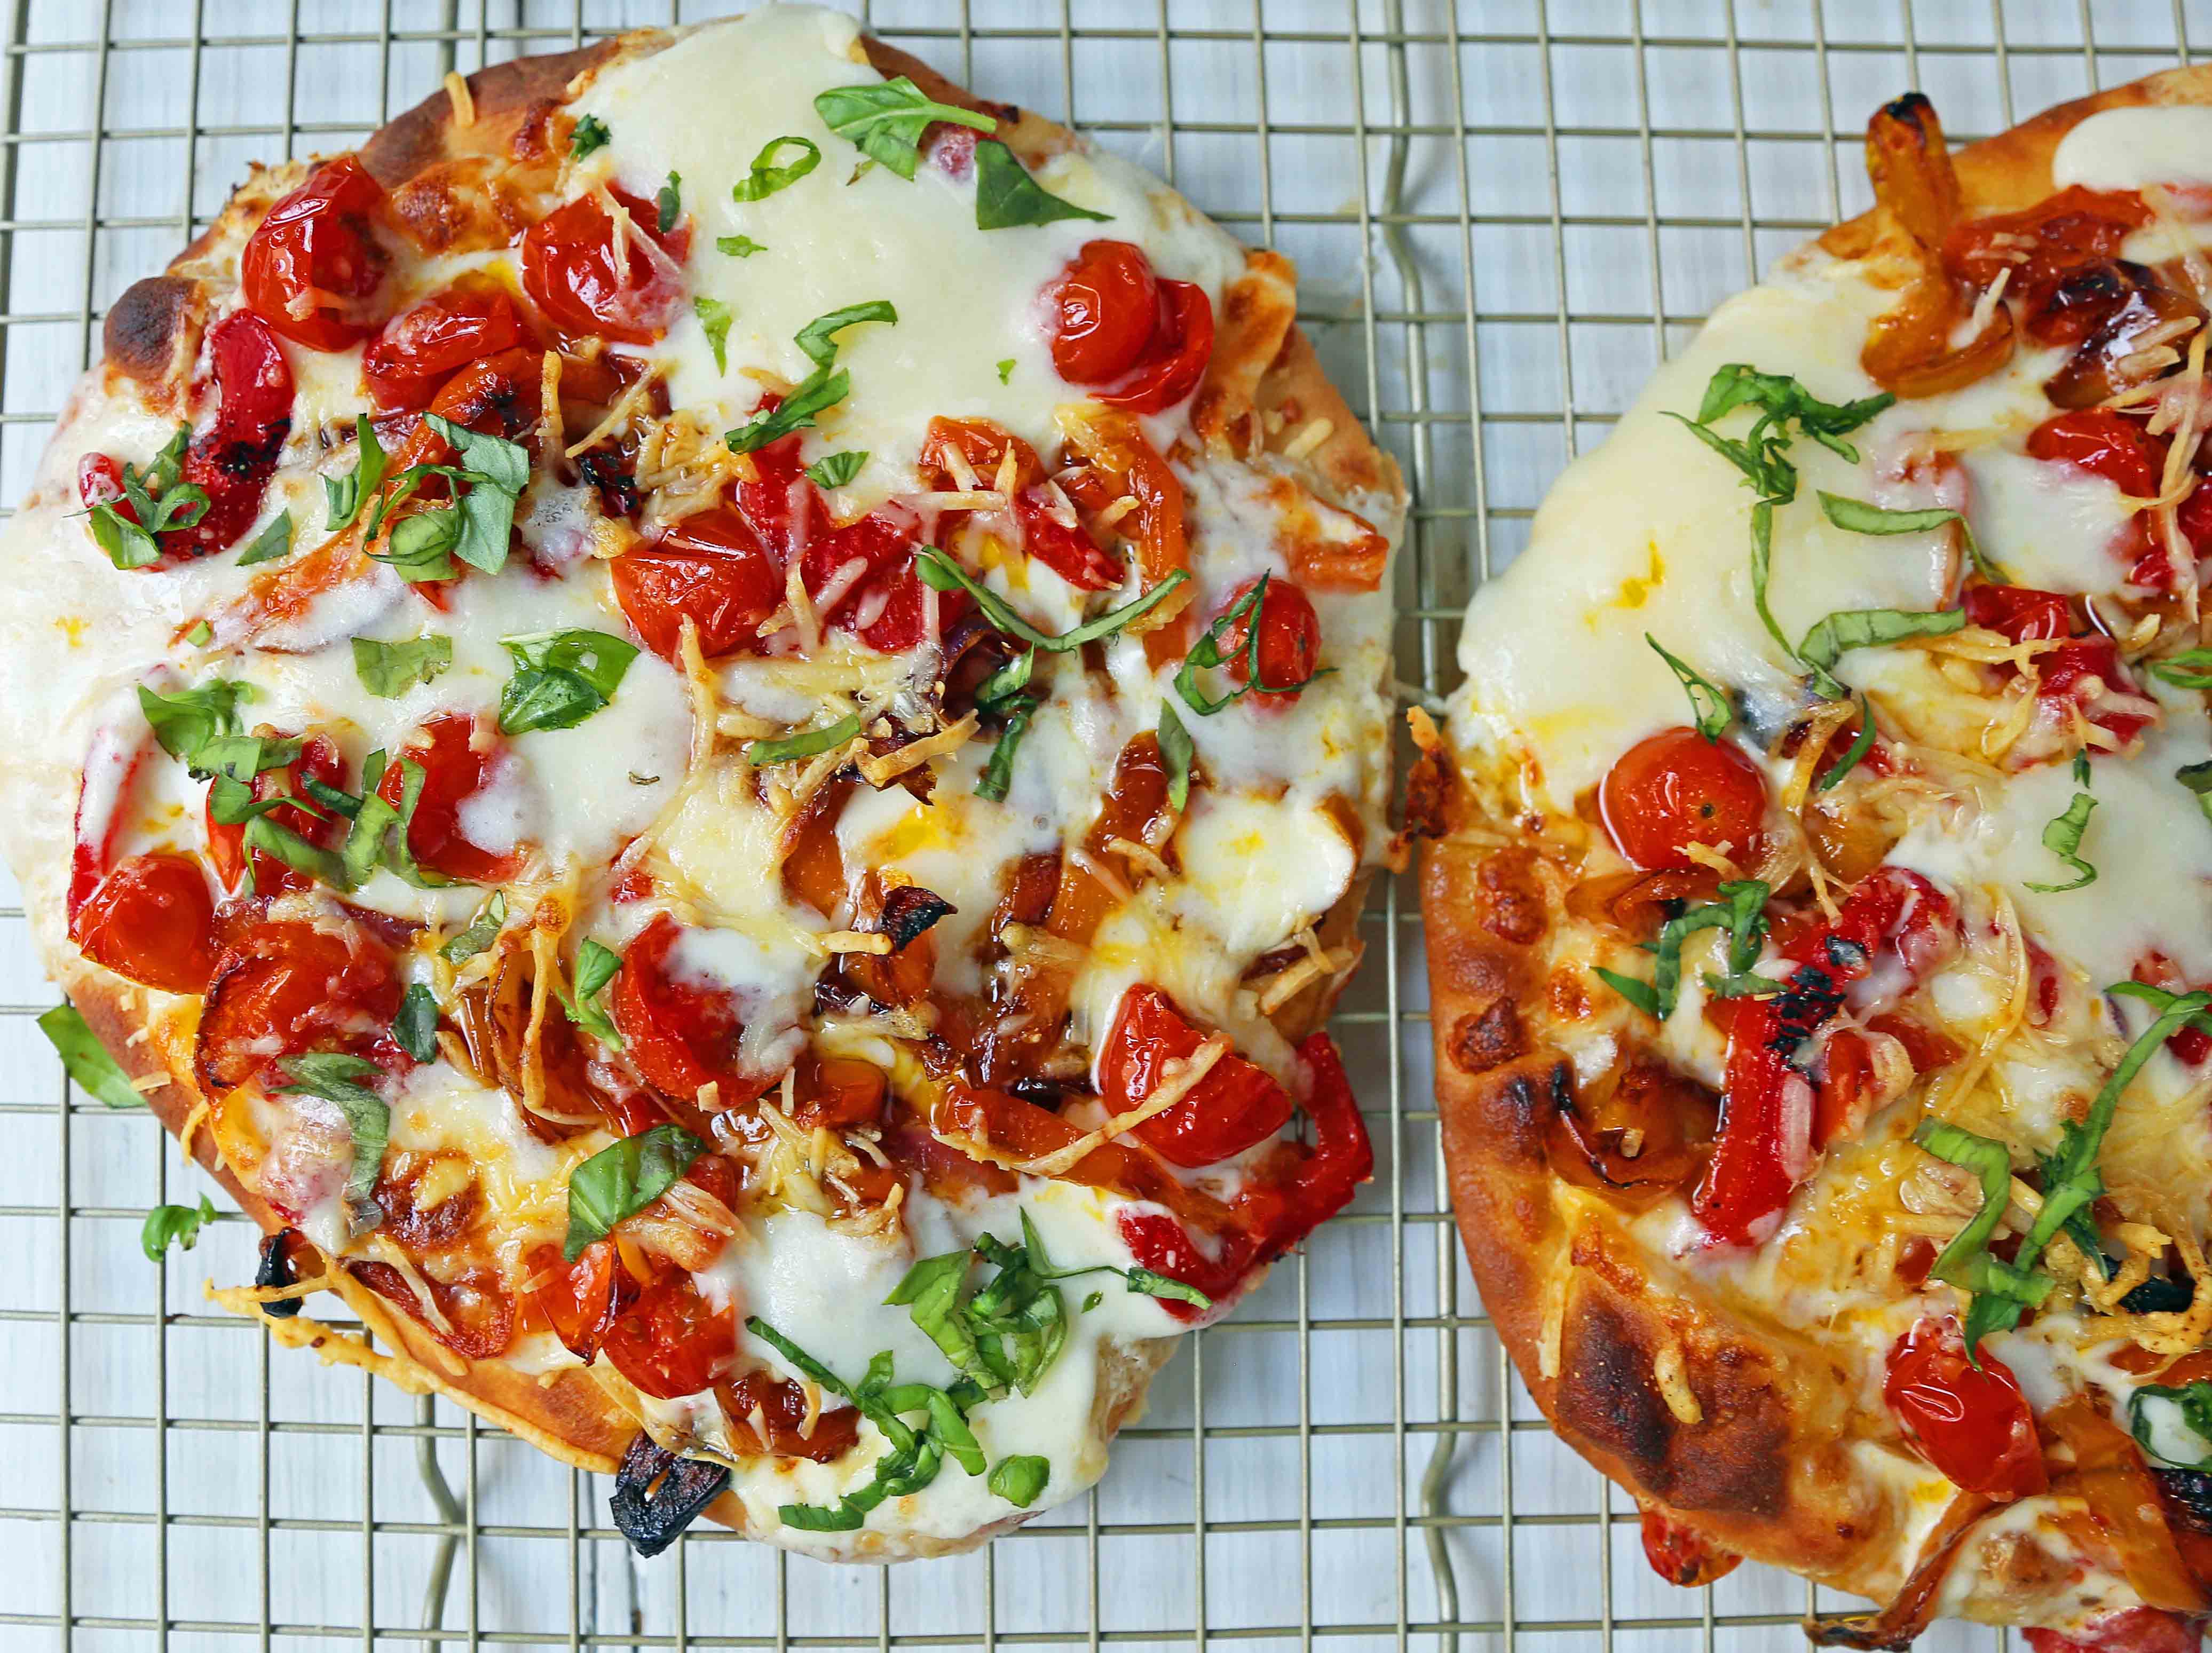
(1019, 1479)
(324, 866)
(346, 494)
(2061, 836)
(799, 1359)
(1849, 629)
(940, 573)
(1781, 400)
(2198, 777)
(1176, 751)
(998, 776)
(930, 1292)
(168, 1225)
(715, 318)
(1990, 1161)
(561, 678)
(496, 473)
(2157, 1434)
(1641, 994)
(738, 246)
(127, 544)
(274, 540)
(767, 177)
(185, 720)
(1709, 701)
(623, 1180)
(86, 1061)
(671, 202)
(2190, 669)
(817, 338)
(483, 931)
(389, 669)
(1741, 911)
(884, 120)
(1006, 684)
(1006, 371)
(201, 633)
(590, 134)
(835, 470)
(415, 1030)
(1007, 197)
(337, 1079)
(596, 965)
(808, 743)
(1862, 744)
(1858, 517)
(820, 389)
(420, 547)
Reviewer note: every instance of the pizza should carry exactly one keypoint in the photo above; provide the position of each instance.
(1820, 906)
(712, 721)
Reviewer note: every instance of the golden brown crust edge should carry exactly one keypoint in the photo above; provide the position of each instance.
(1763, 1471)
(155, 323)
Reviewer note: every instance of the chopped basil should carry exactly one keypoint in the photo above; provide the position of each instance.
(86, 1061)
(1709, 701)
(241, 757)
(623, 1180)
(1862, 744)
(274, 541)
(1007, 197)
(595, 967)
(324, 866)
(820, 389)
(817, 339)
(998, 776)
(335, 1078)
(940, 573)
(1830, 638)
(415, 1030)
(2198, 777)
(561, 679)
(930, 1292)
(738, 246)
(715, 318)
(1966, 1261)
(346, 494)
(1006, 371)
(1206, 655)
(2061, 836)
(483, 931)
(2182, 1423)
(1858, 517)
(1780, 401)
(886, 119)
(158, 501)
(2081, 770)
(1093, 1301)
(168, 1225)
(808, 743)
(767, 177)
(835, 470)
(200, 635)
(590, 134)
(497, 471)
(1762, 561)
(1742, 911)
(2190, 669)
(420, 547)
(187, 719)
(1176, 751)
(1019, 1479)
(1641, 995)
(671, 202)
(1005, 685)
(389, 669)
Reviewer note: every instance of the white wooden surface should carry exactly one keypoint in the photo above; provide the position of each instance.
(1591, 164)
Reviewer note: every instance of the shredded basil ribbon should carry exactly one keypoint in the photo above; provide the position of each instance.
(1709, 701)
(274, 541)
(2061, 836)
(940, 573)
(1206, 655)
(335, 1078)
(158, 501)
(1176, 751)
(766, 178)
(590, 134)
(168, 1225)
(715, 318)
(1862, 744)
(622, 1180)
(1858, 517)
(415, 1029)
(1019, 1479)
(483, 931)
(1830, 638)
(2193, 1403)
(596, 965)
(808, 743)
(1742, 911)
(2190, 669)
(389, 669)
(835, 470)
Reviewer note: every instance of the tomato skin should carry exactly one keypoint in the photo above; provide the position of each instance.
(316, 250)
(839, 1093)
(583, 1299)
(710, 569)
(2106, 443)
(573, 269)
(1290, 642)
(283, 987)
(421, 348)
(671, 1342)
(2019, 612)
(1675, 789)
(1236, 1105)
(454, 771)
(151, 919)
(1181, 346)
(2131, 1630)
(1974, 1425)
(2073, 670)
(1682, 1555)
(479, 1314)
(884, 606)
(679, 1035)
(781, 1405)
(1069, 552)
(226, 843)
(1105, 307)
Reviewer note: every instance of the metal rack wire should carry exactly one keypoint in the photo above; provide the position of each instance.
(1505, 214)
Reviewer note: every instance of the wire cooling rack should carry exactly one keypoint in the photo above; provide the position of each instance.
(1504, 215)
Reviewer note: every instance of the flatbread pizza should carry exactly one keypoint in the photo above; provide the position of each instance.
(712, 721)
(1821, 908)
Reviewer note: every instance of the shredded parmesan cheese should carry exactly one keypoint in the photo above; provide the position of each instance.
(464, 101)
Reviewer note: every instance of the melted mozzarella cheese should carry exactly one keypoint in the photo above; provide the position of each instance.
(2126, 149)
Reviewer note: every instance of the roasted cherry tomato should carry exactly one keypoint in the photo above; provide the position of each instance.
(226, 843)
(152, 919)
(671, 1342)
(454, 770)
(283, 986)
(1162, 1244)
(1106, 307)
(590, 276)
(478, 1315)
(1973, 1424)
(2019, 612)
(2131, 1630)
(1682, 1555)
(1066, 547)
(421, 348)
(1677, 788)
(1290, 643)
(680, 1036)
(779, 503)
(839, 1092)
(2039, 248)
(2104, 443)
(581, 1300)
(2082, 670)
(312, 268)
(1237, 1104)
(710, 569)
(767, 1416)
(862, 579)
(1176, 360)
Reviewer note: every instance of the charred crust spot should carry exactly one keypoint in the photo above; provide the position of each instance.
(654, 1516)
(1911, 110)
(910, 910)
(1605, 1395)
(1513, 900)
(1429, 787)
(150, 332)
(1485, 1039)
(409, 144)
(1514, 1107)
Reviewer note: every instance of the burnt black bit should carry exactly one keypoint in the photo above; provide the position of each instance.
(275, 1271)
(2161, 1294)
(652, 1517)
(1846, 955)
(617, 488)
(2187, 1495)
(1810, 999)
(908, 911)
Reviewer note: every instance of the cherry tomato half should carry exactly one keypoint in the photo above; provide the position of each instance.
(2019, 612)
(226, 843)
(590, 277)
(1106, 305)
(1675, 789)
(671, 1342)
(581, 1300)
(867, 570)
(679, 1034)
(283, 986)
(2131, 1630)
(1290, 643)
(1682, 1555)
(710, 569)
(1974, 1425)
(1237, 1104)
(421, 348)
(152, 919)
(454, 771)
(2106, 443)
(762, 1400)
(1176, 361)
(312, 267)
